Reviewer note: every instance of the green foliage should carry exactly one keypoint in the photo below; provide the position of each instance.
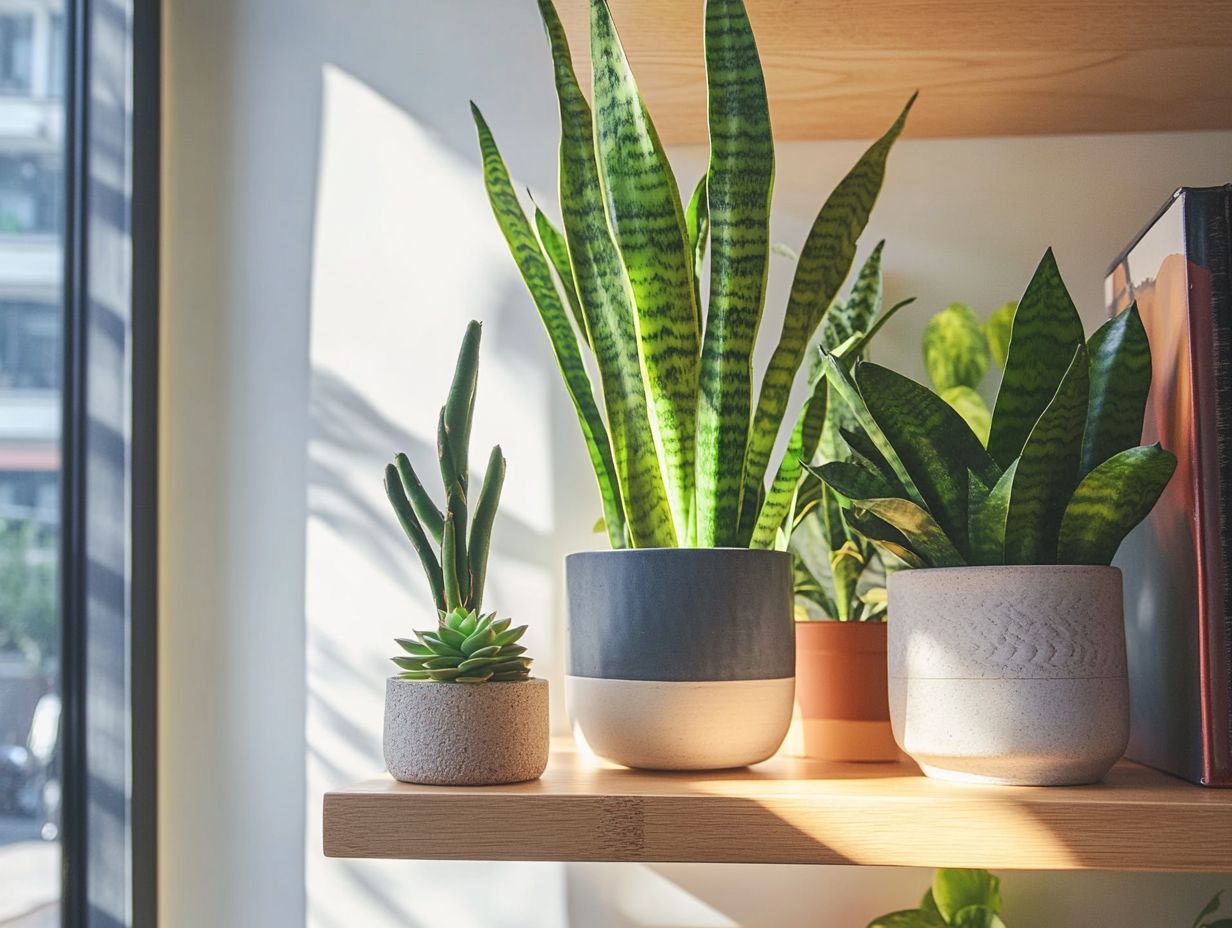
(962, 898)
(681, 450)
(957, 351)
(29, 617)
(1058, 483)
(1212, 908)
(839, 573)
(465, 648)
(453, 543)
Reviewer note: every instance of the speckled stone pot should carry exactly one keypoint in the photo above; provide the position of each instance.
(1011, 675)
(455, 734)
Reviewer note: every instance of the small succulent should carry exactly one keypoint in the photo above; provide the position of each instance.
(1059, 481)
(958, 352)
(964, 898)
(466, 648)
(455, 561)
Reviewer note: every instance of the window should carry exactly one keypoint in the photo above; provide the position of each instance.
(78, 284)
(16, 39)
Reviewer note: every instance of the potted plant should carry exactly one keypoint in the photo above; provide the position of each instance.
(464, 711)
(680, 638)
(964, 898)
(1006, 647)
(842, 712)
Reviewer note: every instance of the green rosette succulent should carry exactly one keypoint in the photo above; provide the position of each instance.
(466, 648)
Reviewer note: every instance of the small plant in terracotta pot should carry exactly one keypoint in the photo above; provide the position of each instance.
(842, 712)
(1006, 645)
(464, 711)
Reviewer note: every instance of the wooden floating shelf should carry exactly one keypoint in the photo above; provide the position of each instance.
(793, 812)
(844, 69)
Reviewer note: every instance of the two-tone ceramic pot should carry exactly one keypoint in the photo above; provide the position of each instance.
(1012, 674)
(681, 658)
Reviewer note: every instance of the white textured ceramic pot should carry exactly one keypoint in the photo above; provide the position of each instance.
(459, 734)
(1010, 675)
(681, 658)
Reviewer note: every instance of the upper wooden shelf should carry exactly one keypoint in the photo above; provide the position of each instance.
(844, 69)
(790, 811)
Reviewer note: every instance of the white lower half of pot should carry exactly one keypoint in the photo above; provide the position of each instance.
(680, 725)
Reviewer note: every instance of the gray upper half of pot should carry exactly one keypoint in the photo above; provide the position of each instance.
(681, 614)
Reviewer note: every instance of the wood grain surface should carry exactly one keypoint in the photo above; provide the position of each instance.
(844, 69)
(790, 811)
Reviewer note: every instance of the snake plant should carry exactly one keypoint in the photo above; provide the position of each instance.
(680, 449)
(1060, 480)
(454, 554)
(839, 574)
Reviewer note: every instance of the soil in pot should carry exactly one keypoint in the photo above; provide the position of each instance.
(842, 710)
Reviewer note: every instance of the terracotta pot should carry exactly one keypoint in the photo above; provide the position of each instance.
(842, 707)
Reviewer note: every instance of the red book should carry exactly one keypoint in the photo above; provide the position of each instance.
(1177, 565)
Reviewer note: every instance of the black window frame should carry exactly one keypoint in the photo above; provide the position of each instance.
(109, 617)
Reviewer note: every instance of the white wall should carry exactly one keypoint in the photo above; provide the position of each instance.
(326, 239)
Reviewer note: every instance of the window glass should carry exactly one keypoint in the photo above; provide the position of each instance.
(31, 351)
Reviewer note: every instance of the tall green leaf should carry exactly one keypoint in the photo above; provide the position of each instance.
(643, 207)
(955, 350)
(1111, 500)
(852, 481)
(607, 301)
(925, 536)
(415, 534)
(1045, 333)
(697, 225)
(934, 444)
(558, 253)
(431, 518)
(1048, 470)
(987, 517)
(781, 496)
(453, 536)
(843, 320)
(738, 184)
(538, 278)
(824, 262)
(1120, 380)
(481, 527)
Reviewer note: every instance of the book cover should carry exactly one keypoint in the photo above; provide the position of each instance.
(1178, 597)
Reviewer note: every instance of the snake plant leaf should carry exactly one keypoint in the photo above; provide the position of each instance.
(481, 527)
(1110, 501)
(607, 301)
(456, 509)
(1120, 379)
(1045, 333)
(1048, 470)
(854, 349)
(987, 514)
(852, 481)
(924, 534)
(415, 533)
(738, 184)
(971, 406)
(813, 420)
(840, 383)
(997, 332)
(956, 352)
(538, 278)
(843, 320)
(460, 402)
(936, 447)
(824, 262)
(431, 518)
(697, 224)
(862, 450)
(884, 535)
(781, 496)
(647, 219)
(557, 250)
